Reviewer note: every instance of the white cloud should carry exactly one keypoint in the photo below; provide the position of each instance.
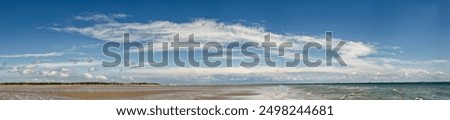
(50, 54)
(88, 75)
(91, 69)
(101, 77)
(277, 75)
(49, 73)
(68, 64)
(441, 74)
(96, 77)
(127, 78)
(210, 30)
(437, 61)
(35, 69)
(410, 62)
(25, 69)
(56, 73)
(64, 75)
(164, 31)
(101, 17)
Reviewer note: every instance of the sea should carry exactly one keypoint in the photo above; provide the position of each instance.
(358, 91)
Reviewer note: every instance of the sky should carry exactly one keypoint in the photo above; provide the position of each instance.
(387, 41)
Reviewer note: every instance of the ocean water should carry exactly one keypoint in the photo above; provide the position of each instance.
(388, 91)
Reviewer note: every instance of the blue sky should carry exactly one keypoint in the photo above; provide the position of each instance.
(412, 32)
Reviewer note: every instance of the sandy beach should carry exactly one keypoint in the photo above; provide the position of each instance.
(124, 92)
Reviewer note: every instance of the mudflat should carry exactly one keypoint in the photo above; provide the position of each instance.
(124, 92)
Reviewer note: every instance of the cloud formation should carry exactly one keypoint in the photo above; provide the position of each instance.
(101, 17)
(50, 54)
(366, 62)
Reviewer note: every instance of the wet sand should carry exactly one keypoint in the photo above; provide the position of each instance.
(125, 92)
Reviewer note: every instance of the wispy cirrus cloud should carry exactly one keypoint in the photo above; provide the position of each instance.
(101, 17)
(50, 54)
(207, 30)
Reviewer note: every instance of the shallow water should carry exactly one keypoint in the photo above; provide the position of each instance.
(438, 91)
